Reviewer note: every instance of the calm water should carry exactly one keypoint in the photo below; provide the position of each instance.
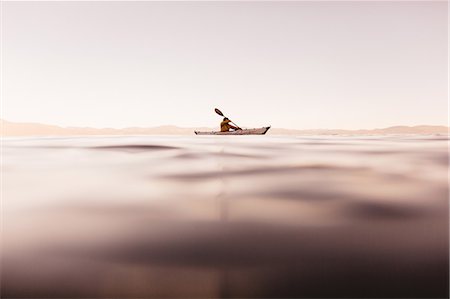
(242, 216)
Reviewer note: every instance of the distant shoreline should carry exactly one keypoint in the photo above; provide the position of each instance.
(11, 129)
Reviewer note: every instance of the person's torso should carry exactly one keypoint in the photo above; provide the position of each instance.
(224, 126)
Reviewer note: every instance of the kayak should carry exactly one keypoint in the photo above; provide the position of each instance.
(255, 131)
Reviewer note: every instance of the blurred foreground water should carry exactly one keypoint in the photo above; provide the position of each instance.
(230, 216)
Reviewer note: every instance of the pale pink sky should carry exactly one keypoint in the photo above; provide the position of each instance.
(299, 65)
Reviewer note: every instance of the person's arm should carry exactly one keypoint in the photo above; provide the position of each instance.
(231, 126)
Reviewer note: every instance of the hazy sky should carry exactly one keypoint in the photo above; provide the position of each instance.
(286, 64)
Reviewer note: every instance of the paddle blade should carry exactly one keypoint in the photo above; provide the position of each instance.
(218, 112)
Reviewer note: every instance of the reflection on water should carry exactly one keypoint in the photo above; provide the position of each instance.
(242, 216)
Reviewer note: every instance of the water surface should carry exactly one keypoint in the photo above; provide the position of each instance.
(225, 216)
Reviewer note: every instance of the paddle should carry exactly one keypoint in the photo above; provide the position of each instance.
(221, 114)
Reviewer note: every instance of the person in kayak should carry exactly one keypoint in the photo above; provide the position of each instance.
(225, 125)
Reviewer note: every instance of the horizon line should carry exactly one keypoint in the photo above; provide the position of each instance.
(194, 127)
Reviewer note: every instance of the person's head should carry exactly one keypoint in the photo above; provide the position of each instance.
(225, 118)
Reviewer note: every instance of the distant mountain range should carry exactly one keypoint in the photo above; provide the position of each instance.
(35, 129)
